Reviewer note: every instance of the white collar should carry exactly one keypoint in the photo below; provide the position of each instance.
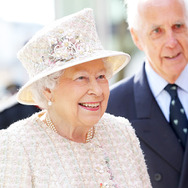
(156, 82)
(182, 80)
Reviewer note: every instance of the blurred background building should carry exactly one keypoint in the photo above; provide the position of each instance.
(20, 19)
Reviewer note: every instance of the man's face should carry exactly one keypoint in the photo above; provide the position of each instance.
(163, 35)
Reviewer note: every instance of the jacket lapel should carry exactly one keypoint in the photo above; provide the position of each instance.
(151, 125)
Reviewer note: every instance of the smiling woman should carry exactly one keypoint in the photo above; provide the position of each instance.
(72, 142)
(79, 99)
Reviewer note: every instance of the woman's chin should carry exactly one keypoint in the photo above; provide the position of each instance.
(91, 120)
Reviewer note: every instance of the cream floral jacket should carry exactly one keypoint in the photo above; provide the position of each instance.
(32, 155)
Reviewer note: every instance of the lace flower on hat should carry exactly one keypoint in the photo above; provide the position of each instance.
(66, 48)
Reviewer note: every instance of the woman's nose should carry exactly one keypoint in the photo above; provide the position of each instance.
(95, 88)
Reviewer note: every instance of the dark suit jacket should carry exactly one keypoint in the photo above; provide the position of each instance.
(15, 113)
(166, 161)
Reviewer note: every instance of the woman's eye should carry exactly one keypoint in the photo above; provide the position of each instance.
(81, 78)
(102, 77)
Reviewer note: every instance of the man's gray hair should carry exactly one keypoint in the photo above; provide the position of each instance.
(133, 13)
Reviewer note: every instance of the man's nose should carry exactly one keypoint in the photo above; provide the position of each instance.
(171, 40)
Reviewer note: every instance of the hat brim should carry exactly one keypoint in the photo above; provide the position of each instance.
(118, 61)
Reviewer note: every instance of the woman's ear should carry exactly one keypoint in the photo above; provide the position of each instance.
(135, 38)
(47, 94)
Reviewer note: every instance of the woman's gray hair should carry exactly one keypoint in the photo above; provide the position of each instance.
(50, 82)
(38, 88)
(132, 12)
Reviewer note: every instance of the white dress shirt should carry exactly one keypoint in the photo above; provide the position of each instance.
(157, 85)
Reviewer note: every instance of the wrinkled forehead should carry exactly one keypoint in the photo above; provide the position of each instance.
(160, 2)
(164, 7)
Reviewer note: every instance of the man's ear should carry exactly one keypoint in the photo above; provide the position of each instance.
(135, 38)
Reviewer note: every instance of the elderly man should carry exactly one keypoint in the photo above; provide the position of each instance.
(155, 100)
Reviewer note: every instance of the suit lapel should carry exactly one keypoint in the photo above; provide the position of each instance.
(151, 125)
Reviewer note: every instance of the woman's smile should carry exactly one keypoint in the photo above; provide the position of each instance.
(92, 106)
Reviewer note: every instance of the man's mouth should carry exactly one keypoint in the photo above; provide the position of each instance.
(172, 57)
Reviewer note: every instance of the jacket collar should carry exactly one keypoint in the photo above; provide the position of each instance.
(142, 91)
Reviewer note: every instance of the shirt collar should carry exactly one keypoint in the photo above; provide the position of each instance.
(183, 79)
(154, 78)
(156, 82)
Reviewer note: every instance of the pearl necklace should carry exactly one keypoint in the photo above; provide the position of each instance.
(89, 135)
(50, 124)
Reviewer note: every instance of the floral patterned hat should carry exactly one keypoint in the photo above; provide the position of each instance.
(69, 41)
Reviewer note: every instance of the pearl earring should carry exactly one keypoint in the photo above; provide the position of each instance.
(49, 103)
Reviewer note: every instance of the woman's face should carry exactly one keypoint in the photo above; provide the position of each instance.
(81, 96)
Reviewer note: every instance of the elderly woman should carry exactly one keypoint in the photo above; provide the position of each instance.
(72, 142)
